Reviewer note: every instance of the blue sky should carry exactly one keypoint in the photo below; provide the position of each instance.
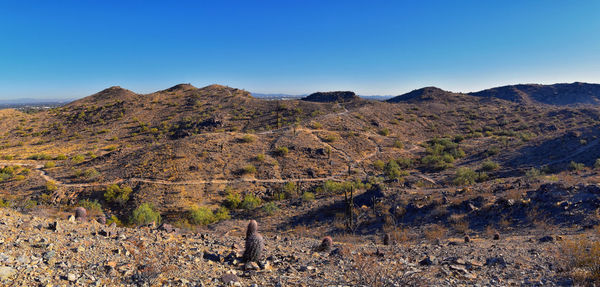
(69, 49)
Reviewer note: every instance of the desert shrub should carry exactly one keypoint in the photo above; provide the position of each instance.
(29, 204)
(270, 208)
(489, 165)
(4, 203)
(597, 163)
(576, 166)
(250, 202)
(51, 186)
(91, 173)
(115, 220)
(145, 214)
(281, 151)
(392, 170)
(93, 207)
(290, 189)
(492, 151)
(247, 139)
(49, 164)
(438, 162)
(61, 157)
(91, 154)
(308, 196)
(110, 148)
(404, 162)
(441, 153)
(384, 132)
(436, 231)
(533, 173)
(77, 159)
(398, 144)
(464, 176)
(249, 169)
(260, 157)
(8, 170)
(330, 138)
(582, 259)
(41, 156)
(116, 194)
(316, 125)
(378, 164)
(201, 216)
(222, 213)
(232, 200)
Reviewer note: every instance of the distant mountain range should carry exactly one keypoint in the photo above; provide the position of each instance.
(557, 94)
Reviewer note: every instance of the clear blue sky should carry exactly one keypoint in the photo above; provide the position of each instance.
(66, 49)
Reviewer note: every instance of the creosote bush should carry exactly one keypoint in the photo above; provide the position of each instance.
(51, 186)
(270, 208)
(489, 165)
(247, 139)
(145, 214)
(116, 194)
(281, 151)
(250, 202)
(203, 215)
(232, 200)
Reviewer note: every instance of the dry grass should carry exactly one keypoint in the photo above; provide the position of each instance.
(369, 271)
(436, 231)
(459, 223)
(581, 257)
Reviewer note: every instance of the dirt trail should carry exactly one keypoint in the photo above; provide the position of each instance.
(166, 182)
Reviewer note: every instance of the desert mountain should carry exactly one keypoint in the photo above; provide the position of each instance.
(557, 94)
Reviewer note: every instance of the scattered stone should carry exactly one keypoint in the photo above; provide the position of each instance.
(54, 226)
(71, 218)
(230, 278)
(427, 261)
(251, 266)
(546, 238)
(496, 236)
(6, 272)
(72, 277)
(467, 239)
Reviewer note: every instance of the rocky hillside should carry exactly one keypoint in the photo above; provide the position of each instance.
(42, 251)
(557, 94)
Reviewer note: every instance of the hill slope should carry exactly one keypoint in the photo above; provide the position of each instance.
(557, 94)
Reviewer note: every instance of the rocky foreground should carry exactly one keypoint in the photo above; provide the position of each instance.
(39, 251)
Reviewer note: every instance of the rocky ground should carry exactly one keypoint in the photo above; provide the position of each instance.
(41, 251)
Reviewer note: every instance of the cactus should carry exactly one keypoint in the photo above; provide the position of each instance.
(326, 244)
(254, 243)
(386, 239)
(252, 228)
(80, 213)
